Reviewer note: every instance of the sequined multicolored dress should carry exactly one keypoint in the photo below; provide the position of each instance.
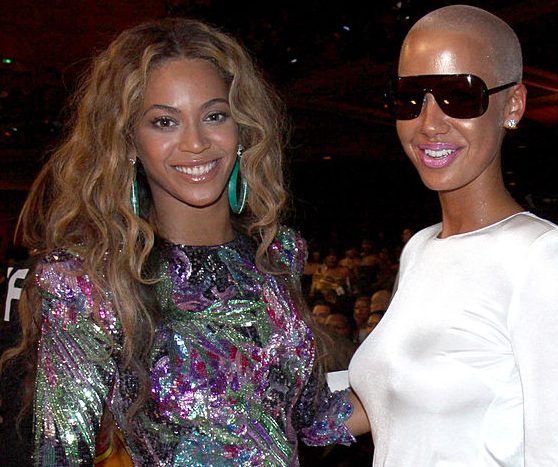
(231, 368)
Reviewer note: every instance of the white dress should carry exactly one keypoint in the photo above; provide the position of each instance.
(463, 368)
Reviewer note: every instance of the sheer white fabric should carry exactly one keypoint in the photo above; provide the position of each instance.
(463, 368)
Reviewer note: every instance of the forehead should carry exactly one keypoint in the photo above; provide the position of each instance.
(433, 52)
(338, 320)
(185, 78)
(374, 318)
(319, 309)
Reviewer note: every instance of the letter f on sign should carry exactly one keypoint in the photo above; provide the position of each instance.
(14, 293)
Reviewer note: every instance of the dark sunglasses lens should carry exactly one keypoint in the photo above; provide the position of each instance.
(462, 97)
(459, 96)
(407, 100)
(407, 105)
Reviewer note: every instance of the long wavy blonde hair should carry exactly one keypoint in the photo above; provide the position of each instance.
(77, 201)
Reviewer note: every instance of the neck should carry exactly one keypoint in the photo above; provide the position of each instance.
(466, 211)
(196, 226)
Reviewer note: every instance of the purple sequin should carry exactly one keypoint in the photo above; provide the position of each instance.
(231, 368)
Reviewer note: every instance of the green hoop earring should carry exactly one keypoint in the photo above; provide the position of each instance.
(134, 196)
(237, 200)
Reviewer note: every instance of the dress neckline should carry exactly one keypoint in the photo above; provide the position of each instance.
(236, 240)
(479, 230)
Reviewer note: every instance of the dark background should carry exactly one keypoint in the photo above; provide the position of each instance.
(329, 60)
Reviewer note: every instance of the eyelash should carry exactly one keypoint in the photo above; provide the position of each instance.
(163, 122)
(167, 122)
(221, 117)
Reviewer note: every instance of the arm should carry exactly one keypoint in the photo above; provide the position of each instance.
(358, 422)
(321, 417)
(534, 331)
(74, 370)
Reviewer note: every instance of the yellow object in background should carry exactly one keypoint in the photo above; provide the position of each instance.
(115, 455)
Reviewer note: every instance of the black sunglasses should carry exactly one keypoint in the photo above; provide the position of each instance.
(459, 96)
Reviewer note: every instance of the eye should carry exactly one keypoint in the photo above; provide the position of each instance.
(408, 98)
(217, 117)
(163, 122)
(458, 96)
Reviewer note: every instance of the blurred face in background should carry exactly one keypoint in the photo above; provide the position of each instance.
(366, 247)
(339, 324)
(320, 313)
(373, 321)
(352, 253)
(331, 261)
(380, 300)
(406, 235)
(361, 310)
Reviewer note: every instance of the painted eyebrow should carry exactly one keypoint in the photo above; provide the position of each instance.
(166, 108)
(217, 100)
(174, 110)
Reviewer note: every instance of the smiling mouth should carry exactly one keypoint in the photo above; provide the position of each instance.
(196, 170)
(437, 154)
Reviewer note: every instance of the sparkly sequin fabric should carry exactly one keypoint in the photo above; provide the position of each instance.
(231, 375)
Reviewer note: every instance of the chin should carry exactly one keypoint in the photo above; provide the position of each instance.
(437, 184)
(204, 202)
(201, 204)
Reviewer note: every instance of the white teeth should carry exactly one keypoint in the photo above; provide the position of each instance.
(197, 170)
(439, 153)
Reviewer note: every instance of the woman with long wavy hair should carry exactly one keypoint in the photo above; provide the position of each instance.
(164, 305)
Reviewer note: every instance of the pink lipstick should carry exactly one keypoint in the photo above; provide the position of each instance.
(438, 155)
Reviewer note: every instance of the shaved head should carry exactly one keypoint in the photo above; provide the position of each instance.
(500, 47)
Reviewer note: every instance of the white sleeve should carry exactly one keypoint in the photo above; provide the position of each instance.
(534, 337)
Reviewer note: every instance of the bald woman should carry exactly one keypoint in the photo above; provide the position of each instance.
(463, 368)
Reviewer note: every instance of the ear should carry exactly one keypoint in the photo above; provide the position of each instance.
(133, 153)
(515, 105)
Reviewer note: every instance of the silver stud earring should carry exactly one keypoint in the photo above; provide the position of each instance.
(511, 124)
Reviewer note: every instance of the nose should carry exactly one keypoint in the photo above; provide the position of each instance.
(193, 139)
(433, 120)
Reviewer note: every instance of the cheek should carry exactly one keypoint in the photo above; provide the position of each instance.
(405, 131)
(489, 125)
(230, 162)
(400, 127)
(484, 131)
(224, 135)
(153, 146)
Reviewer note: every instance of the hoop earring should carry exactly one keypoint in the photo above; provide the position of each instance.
(134, 195)
(237, 200)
